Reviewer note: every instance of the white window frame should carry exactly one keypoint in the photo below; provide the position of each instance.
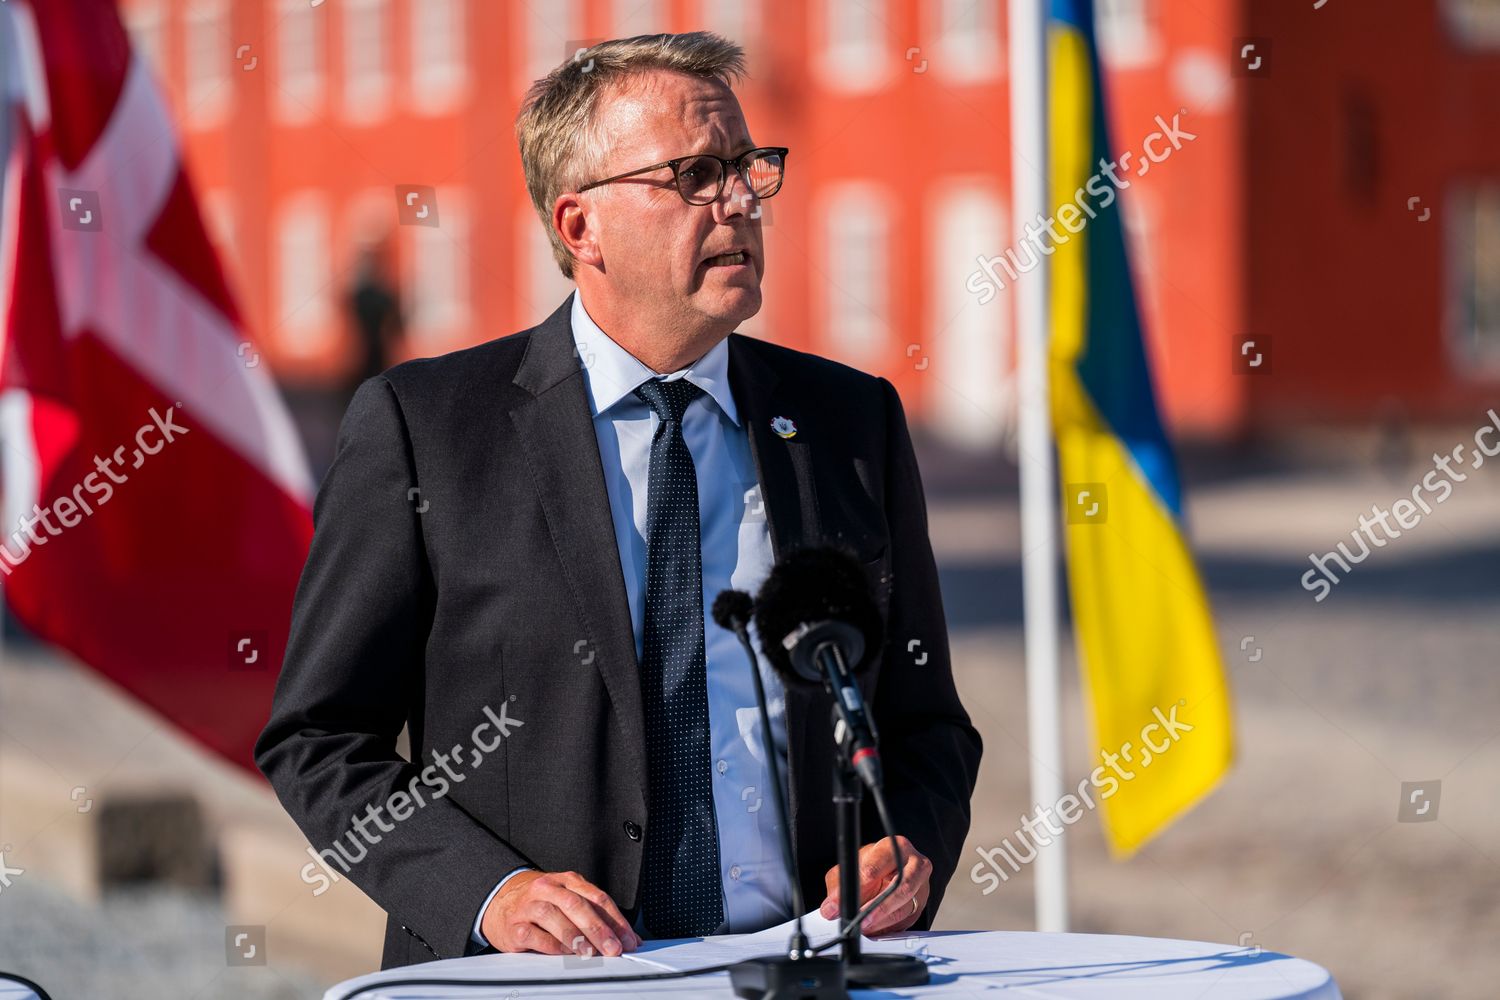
(859, 61)
(1140, 218)
(637, 17)
(366, 77)
(305, 309)
(856, 223)
(438, 35)
(1128, 32)
(963, 54)
(545, 285)
(219, 221)
(736, 20)
(546, 30)
(301, 34)
(207, 60)
(148, 33)
(436, 278)
(970, 348)
(1473, 24)
(1472, 352)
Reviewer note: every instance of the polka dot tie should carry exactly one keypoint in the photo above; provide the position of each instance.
(681, 896)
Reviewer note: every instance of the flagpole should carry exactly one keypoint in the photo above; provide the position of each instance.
(11, 100)
(1039, 550)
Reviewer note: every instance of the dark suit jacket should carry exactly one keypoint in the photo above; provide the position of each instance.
(464, 556)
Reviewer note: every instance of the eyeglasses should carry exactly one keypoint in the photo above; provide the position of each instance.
(700, 178)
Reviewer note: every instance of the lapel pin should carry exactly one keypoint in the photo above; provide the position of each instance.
(784, 426)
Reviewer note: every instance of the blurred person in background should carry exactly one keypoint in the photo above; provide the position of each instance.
(375, 311)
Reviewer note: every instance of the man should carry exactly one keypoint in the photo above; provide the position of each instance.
(526, 537)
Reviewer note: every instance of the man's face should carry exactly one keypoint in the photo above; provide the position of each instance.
(655, 245)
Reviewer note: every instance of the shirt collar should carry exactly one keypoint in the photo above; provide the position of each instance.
(612, 373)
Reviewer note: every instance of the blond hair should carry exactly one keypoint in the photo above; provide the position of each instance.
(560, 145)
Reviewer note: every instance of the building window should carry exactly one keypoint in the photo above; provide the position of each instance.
(967, 47)
(1474, 23)
(439, 64)
(1140, 214)
(736, 20)
(437, 274)
(1128, 33)
(147, 31)
(304, 296)
(553, 31)
(218, 224)
(1474, 279)
(366, 221)
(299, 64)
(545, 285)
(968, 349)
(854, 55)
(856, 271)
(207, 57)
(760, 326)
(367, 59)
(636, 17)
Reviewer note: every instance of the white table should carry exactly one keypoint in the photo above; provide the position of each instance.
(16, 989)
(960, 964)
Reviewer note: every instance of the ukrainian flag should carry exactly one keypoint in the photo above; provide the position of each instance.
(1145, 632)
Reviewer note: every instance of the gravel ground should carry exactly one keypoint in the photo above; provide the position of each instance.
(1392, 678)
(136, 946)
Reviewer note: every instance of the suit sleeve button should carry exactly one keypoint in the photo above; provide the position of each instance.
(632, 830)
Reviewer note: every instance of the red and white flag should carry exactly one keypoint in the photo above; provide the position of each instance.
(156, 499)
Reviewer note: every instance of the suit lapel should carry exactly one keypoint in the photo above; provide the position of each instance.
(556, 429)
(785, 468)
(783, 464)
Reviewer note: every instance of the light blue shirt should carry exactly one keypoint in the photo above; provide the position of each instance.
(736, 544)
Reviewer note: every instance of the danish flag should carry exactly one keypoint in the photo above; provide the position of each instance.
(155, 501)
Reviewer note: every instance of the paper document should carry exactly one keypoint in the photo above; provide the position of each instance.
(693, 953)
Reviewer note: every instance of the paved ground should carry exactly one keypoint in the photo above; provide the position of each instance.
(1391, 679)
(139, 945)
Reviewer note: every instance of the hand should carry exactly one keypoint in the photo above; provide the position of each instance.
(877, 869)
(556, 913)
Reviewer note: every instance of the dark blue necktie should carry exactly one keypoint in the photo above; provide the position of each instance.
(681, 897)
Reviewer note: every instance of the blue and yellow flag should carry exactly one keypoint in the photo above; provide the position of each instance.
(1151, 663)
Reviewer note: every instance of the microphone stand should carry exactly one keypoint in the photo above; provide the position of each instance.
(799, 974)
(847, 793)
(860, 970)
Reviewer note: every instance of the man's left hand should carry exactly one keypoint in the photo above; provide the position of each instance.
(877, 869)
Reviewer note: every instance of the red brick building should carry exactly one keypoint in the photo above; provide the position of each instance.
(1373, 209)
(310, 123)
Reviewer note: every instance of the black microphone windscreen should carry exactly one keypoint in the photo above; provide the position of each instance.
(812, 585)
(732, 607)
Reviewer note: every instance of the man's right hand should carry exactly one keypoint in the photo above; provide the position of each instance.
(556, 913)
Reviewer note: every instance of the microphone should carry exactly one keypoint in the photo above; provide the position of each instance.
(732, 610)
(817, 623)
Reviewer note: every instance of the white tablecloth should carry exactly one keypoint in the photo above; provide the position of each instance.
(960, 964)
(12, 990)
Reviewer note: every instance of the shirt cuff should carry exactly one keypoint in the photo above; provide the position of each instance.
(477, 936)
